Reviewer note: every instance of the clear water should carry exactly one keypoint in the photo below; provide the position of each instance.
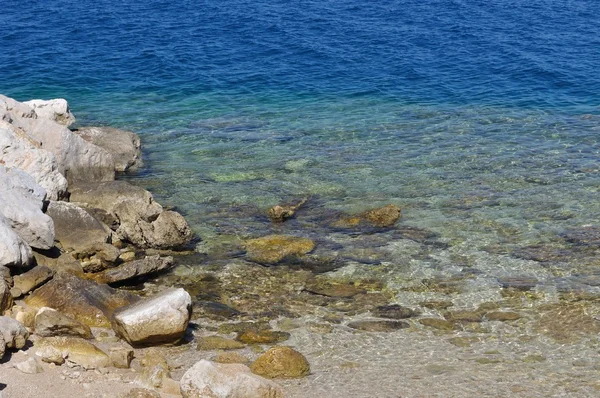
(480, 119)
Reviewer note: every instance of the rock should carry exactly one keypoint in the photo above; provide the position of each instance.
(502, 316)
(27, 155)
(30, 366)
(437, 323)
(98, 257)
(22, 204)
(262, 336)
(83, 300)
(272, 249)
(383, 217)
(6, 298)
(31, 279)
(124, 146)
(155, 369)
(281, 362)
(55, 109)
(332, 288)
(136, 268)
(141, 220)
(210, 343)
(159, 319)
(121, 357)
(394, 311)
(49, 322)
(378, 325)
(75, 228)
(14, 251)
(13, 333)
(25, 315)
(73, 349)
(464, 316)
(215, 380)
(281, 213)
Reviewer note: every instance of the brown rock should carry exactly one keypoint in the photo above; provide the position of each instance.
(502, 316)
(210, 343)
(73, 349)
(83, 300)
(134, 269)
(49, 322)
(272, 249)
(394, 311)
(33, 278)
(262, 336)
(378, 325)
(437, 323)
(383, 217)
(280, 213)
(281, 362)
(121, 357)
(464, 316)
(155, 369)
(332, 288)
(140, 393)
(230, 357)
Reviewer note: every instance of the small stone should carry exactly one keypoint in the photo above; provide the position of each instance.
(262, 337)
(437, 323)
(230, 357)
(281, 362)
(502, 316)
(121, 357)
(210, 343)
(378, 326)
(394, 311)
(30, 366)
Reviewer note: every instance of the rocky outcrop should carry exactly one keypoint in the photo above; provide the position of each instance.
(218, 380)
(22, 204)
(55, 109)
(160, 319)
(140, 219)
(124, 146)
(49, 322)
(86, 301)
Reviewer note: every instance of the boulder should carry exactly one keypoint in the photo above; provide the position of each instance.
(18, 150)
(218, 380)
(14, 251)
(159, 319)
(31, 279)
(281, 361)
(124, 146)
(140, 219)
(275, 248)
(22, 204)
(135, 268)
(73, 350)
(49, 322)
(56, 110)
(83, 300)
(13, 333)
(75, 228)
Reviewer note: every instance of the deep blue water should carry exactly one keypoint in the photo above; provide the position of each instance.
(479, 118)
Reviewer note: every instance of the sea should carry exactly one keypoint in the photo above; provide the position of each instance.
(480, 119)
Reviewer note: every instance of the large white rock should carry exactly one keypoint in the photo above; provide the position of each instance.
(217, 380)
(54, 109)
(17, 150)
(22, 203)
(14, 252)
(124, 146)
(159, 319)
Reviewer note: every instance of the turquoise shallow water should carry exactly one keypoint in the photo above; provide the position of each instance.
(479, 119)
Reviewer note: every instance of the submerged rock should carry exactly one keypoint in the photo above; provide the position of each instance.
(12, 333)
(394, 311)
(272, 249)
(383, 217)
(281, 362)
(262, 336)
(332, 288)
(124, 146)
(159, 319)
(378, 325)
(281, 213)
(210, 343)
(217, 380)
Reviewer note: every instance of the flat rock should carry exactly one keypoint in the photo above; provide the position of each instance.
(49, 322)
(135, 268)
(272, 249)
(83, 300)
(378, 325)
(75, 228)
(216, 380)
(281, 362)
(73, 350)
(32, 279)
(124, 146)
(210, 343)
(159, 319)
(13, 333)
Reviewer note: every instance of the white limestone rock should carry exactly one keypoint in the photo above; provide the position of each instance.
(14, 251)
(124, 146)
(217, 380)
(159, 319)
(54, 109)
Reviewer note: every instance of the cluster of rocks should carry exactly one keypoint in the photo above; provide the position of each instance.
(69, 233)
